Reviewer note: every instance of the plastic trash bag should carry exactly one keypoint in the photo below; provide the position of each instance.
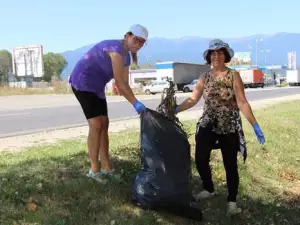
(164, 179)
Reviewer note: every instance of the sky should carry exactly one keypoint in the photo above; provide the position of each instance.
(61, 25)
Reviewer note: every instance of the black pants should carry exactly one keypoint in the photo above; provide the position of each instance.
(229, 144)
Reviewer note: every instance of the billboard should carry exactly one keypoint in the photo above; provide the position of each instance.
(28, 61)
(241, 59)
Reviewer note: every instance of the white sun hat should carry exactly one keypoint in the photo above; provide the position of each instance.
(139, 31)
(216, 44)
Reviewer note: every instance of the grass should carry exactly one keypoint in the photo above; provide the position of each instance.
(55, 88)
(284, 84)
(53, 176)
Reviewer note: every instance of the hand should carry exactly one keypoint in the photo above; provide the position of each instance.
(139, 107)
(259, 133)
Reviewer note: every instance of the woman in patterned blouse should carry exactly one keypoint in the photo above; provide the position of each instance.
(220, 124)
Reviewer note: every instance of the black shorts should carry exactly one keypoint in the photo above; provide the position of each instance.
(92, 106)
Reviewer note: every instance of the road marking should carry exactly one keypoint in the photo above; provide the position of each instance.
(15, 114)
(195, 108)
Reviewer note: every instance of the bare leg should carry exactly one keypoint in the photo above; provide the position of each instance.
(104, 144)
(95, 128)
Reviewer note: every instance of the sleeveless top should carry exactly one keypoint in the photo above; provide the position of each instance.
(220, 107)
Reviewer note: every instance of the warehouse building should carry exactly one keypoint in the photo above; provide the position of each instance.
(180, 73)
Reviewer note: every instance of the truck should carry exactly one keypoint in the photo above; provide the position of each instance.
(180, 73)
(252, 78)
(293, 77)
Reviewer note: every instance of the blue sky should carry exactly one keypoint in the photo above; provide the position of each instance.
(61, 25)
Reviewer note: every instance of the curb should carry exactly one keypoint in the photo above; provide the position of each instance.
(21, 133)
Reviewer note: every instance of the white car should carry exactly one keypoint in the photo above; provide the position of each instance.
(190, 87)
(157, 87)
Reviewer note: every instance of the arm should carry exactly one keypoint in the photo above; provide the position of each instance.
(196, 96)
(242, 102)
(118, 69)
(126, 74)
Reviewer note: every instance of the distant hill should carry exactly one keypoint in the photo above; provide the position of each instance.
(190, 49)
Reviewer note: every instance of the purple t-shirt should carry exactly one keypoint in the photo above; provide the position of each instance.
(94, 70)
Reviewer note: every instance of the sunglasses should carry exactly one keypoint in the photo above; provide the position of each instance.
(139, 40)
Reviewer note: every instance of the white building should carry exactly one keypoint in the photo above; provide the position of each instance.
(180, 73)
(142, 75)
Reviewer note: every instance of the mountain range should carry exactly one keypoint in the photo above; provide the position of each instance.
(190, 49)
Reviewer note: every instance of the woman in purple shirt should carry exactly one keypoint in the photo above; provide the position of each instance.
(106, 60)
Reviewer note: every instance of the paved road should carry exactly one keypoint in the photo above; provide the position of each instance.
(13, 122)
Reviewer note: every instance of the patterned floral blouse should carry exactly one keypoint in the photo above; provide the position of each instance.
(220, 107)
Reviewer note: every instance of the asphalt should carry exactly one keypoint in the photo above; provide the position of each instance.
(37, 119)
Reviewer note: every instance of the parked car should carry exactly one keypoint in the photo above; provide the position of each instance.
(190, 87)
(157, 87)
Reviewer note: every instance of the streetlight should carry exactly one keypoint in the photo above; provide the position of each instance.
(250, 48)
(257, 40)
(265, 51)
(147, 60)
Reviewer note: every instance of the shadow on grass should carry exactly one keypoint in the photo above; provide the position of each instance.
(65, 196)
(255, 210)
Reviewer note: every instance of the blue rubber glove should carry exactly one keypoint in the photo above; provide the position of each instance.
(176, 109)
(259, 133)
(139, 107)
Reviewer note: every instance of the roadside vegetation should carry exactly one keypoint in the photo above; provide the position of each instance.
(47, 184)
(283, 84)
(56, 88)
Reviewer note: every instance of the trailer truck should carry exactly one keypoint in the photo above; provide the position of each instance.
(180, 73)
(293, 77)
(252, 78)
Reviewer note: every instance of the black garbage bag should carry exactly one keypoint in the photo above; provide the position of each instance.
(163, 183)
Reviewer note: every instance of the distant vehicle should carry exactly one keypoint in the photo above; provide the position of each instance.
(293, 77)
(269, 81)
(157, 87)
(252, 78)
(181, 73)
(190, 87)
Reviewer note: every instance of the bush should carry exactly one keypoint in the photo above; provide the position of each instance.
(283, 84)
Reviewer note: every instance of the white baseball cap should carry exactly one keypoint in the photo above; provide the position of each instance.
(139, 31)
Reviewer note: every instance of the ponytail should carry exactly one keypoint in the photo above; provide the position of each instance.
(133, 55)
(134, 58)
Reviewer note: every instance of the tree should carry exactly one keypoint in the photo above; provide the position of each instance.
(134, 66)
(54, 64)
(5, 65)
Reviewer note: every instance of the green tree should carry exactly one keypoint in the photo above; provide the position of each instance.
(54, 64)
(134, 66)
(5, 65)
